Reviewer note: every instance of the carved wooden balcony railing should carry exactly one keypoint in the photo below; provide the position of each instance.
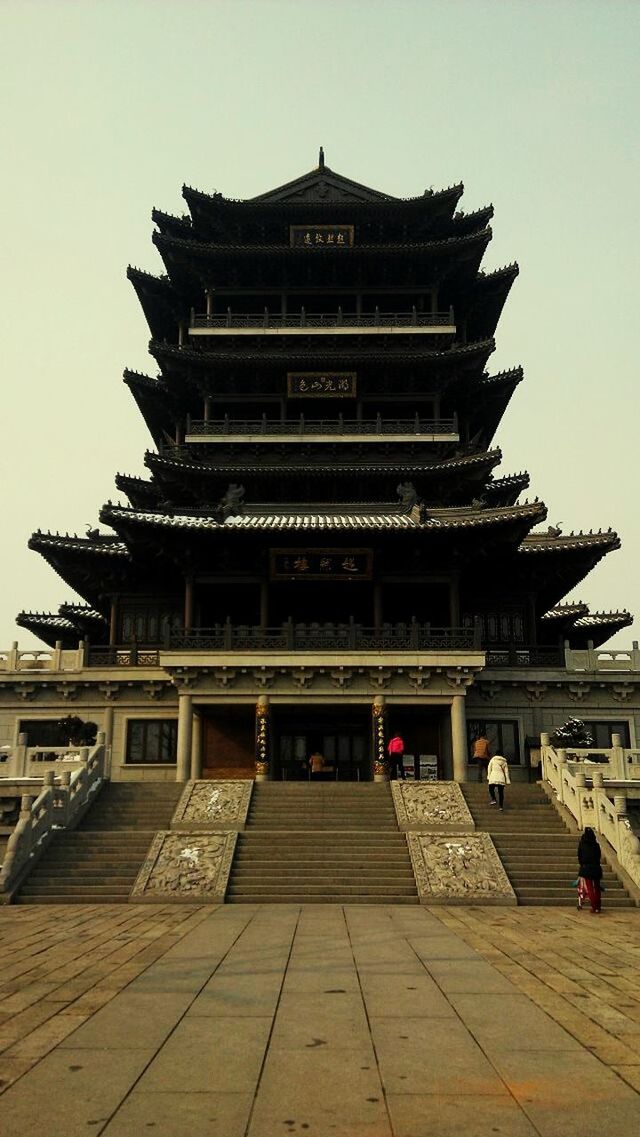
(338, 427)
(327, 637)
(314, 321)
(291, 637)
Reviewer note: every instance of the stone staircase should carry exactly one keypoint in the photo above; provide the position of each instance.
(535, 846)
(321, 843)
(98, 862)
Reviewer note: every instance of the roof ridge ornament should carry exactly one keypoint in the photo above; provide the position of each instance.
(321, 158)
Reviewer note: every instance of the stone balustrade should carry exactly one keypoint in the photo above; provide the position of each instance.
(582, 791)
(22, 761)
(58, 804)
(603, 659)
(38, 660)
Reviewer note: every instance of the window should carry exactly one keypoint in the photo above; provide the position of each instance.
(148, 624)
(602, 732)
(502, 735)
(152, 740)
(42, 732)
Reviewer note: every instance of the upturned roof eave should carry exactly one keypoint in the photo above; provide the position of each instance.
(440, 522)
(206, 249)
(212, 201)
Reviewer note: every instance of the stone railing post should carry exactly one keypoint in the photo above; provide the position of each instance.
(545, 741)
(620, 804)
(617, 764)
(562, 765)
(263, 740)
(12, 662)
(21, 757)
(580, 785)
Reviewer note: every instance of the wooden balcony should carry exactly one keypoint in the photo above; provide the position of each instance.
(323, 323)
(322, 430)
(290, 637)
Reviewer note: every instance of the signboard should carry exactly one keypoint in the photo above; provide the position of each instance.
(318, 236)
(428, 767)
(315, 384)
(321, 564)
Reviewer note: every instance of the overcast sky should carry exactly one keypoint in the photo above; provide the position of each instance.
(109, 106)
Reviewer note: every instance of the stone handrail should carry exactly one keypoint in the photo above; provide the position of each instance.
(22, 761)
(605, 811)
(45, 659)
(57, 806)
(606, 659)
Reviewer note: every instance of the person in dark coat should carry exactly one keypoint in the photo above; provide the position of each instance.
(590, 870)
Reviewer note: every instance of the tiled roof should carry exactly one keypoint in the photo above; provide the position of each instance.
(464, 462)
(550, 543)
(388, 352)
(108, 547)
(604, 619)
(219, 199)
(348, 516)
(207, 248)
(45, 620)
(81, 612)
(566, 611)
(513, 375)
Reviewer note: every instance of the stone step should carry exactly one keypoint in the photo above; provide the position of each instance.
(56, 888)
(61, 898)
(329, 857)
(321, 881)
(311, 890)
(302, 898)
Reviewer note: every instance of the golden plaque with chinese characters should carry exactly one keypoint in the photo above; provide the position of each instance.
(316, 384)
(321, 236)
(321, 564)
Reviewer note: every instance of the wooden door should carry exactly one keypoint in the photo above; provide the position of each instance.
(228, 745)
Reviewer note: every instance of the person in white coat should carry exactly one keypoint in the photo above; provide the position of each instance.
(498, 778)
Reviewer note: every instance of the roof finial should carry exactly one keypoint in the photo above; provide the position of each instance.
(321, 158)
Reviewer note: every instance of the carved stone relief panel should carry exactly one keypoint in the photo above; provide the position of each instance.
(454, 869)
(213, 805)
(431, 807)
(186, 867)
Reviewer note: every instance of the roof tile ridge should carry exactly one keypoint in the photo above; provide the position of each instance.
(511, 269)
(156, 278)
(216, 195)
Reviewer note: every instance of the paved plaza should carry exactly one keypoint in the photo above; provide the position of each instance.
(318, 1021)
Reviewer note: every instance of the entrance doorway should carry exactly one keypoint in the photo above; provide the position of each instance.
(425, 740)
(343, 740)
(228, 742)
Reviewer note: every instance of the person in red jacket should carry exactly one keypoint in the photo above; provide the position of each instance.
(395, 750)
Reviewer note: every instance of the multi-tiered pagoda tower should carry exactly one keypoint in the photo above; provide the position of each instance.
(323, 530)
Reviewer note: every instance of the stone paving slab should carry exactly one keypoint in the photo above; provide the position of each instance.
(318, 1021)
(181, 1115)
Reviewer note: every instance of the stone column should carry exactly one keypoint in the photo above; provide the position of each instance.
(196, 747)
(379, 736)
(108, 738)
(459, 738)
(185, 716)
(263, 747)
